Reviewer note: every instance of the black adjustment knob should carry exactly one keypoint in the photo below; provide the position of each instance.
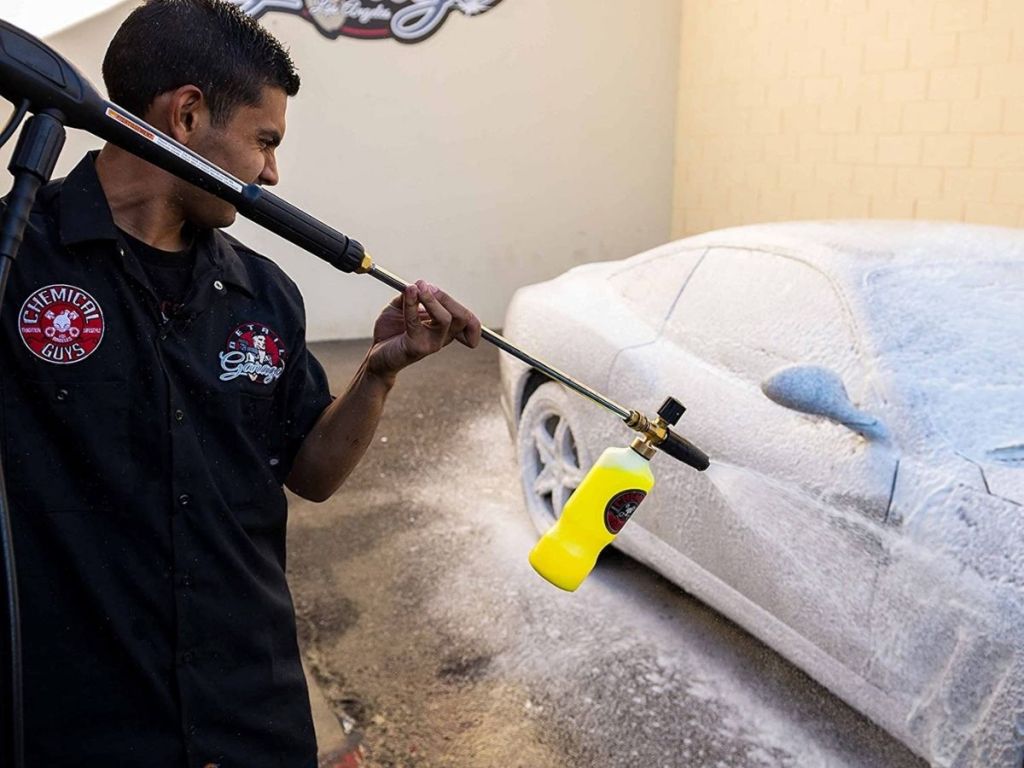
(671, 410)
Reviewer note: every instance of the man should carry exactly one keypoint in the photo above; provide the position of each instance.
(258, 352)
(145, 454)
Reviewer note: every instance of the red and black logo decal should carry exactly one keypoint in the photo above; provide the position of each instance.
(253, 350)
(61, 324)
(407, 21)
(621, 508)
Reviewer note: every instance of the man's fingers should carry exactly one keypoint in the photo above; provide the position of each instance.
(471, 335)
(409, 301)
(465, 327)
(438, 313)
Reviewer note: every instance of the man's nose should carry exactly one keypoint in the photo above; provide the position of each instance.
(269, 177)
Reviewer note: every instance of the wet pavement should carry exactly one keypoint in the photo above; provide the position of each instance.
(433, 639)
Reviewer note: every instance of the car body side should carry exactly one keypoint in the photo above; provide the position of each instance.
(890, 597)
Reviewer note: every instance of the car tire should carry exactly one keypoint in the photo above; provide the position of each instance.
(550, 464)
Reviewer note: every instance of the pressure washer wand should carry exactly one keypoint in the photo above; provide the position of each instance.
(507, 346)
(655, 433)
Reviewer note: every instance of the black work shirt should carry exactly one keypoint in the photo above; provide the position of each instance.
(169, 272)
(144, 461)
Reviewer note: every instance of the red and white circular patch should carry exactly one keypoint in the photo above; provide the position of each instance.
(61, 324)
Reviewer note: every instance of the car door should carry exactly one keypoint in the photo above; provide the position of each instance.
(792, 511)
(642, 290)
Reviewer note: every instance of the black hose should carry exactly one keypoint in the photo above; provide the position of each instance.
(12, 727)
(14, 122)
(32, 165)
(12, 739)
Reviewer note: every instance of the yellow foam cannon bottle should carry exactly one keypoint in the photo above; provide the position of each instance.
(593, 516)
(608, 497)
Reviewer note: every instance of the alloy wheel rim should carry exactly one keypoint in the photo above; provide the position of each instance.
(556, 464)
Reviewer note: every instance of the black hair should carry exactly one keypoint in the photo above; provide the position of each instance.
(211, 44)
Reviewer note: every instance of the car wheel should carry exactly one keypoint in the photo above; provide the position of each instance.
(549, 457)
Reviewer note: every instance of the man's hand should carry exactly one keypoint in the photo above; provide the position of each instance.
(418, 322)
(403, 334)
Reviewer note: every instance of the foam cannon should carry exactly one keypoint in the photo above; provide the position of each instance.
(39, 80)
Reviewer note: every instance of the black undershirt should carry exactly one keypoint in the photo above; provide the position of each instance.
(169, 272)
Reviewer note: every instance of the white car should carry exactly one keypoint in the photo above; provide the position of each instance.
(859, 387)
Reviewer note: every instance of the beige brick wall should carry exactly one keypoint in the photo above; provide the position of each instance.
(797, 109)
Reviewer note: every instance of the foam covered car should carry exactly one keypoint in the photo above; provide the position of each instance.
(859, 387)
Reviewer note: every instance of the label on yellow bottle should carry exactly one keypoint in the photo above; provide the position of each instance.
(621, 507)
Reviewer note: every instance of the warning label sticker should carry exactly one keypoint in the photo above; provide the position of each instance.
(175, 149)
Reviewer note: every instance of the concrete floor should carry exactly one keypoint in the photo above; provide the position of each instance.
(430, 636)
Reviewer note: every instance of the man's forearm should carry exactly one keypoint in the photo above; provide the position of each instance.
(418, 322)
(340, 437)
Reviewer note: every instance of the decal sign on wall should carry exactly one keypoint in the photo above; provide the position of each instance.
(407, 21)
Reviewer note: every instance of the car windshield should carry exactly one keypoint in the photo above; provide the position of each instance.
(949, 337)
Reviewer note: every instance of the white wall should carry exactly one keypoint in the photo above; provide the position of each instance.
(503, 150)
(43, 19)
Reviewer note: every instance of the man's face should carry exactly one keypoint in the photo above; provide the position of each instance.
(259, 341)
(244, 147)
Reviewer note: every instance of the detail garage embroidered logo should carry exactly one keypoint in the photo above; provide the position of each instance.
(407, 21)
(61, 324)
(253, 350)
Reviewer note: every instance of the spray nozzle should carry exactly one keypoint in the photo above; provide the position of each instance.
(657, 435)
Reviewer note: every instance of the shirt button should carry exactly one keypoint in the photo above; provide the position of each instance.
(179, 415)
(187, 657)
(62, 395)
(185, 500)
(218, 285)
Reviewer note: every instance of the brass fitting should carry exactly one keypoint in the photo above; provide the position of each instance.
(654, 432)
(365, 266)
(643, 446)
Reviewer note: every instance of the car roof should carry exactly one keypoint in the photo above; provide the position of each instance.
(847, 250)
(853, 253)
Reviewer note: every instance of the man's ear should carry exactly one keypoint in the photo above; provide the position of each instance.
(180, 113)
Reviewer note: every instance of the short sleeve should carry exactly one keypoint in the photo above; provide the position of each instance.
(304, 394)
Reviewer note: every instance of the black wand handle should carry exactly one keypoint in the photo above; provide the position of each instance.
(32, 165)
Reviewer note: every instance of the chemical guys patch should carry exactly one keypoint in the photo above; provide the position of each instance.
(621, 508)
(253, 350)
(61, 324)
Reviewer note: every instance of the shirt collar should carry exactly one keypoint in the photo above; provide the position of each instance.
(85, 216)
(84, 212)
(222, 253)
